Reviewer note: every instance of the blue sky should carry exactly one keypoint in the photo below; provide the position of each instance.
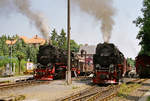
(84, 28)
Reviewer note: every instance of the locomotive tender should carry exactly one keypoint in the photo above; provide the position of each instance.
(109, 64)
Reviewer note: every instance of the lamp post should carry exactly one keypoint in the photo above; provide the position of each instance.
(85, 65)
(68, 72)
(11, 55)
(84, 52)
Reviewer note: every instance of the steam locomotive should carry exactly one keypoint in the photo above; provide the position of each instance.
(143, 65)
(109, 64)
(52, 63)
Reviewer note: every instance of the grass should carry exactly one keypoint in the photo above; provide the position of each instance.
(5, 81)
(125, 89)
(148, 99)
(20, 98)
(23, 67)
(74, 87)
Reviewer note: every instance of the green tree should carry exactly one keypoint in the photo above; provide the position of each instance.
(20, 55)
(131, 62)
(20, 45)
(20, 52)
(74, 46)
(4, 60)
(4, 50)
(144, 24)
(54, 38)
(31, 52)
(62, 42)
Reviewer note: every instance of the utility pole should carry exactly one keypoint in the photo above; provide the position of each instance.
(11, 66)
(68, 72)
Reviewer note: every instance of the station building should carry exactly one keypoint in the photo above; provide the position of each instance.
(85, 56)
(36, 40)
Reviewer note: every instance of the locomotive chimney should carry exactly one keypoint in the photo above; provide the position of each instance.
(105, 42)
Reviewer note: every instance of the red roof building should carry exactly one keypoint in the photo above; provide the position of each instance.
(35, 40)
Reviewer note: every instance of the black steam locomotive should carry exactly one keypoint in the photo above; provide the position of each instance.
(52, 63)
(109, 64)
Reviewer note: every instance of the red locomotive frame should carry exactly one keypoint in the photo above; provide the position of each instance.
(49, 72)
(110, 76)
(54, 71)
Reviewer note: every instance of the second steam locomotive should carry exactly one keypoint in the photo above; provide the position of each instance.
(52, 63)
(109, 64)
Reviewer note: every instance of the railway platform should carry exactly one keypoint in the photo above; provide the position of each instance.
(15, 78)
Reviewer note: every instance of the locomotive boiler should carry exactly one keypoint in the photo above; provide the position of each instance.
(109, 64)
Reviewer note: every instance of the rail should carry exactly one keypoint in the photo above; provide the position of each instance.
(20, 84)
(99, 93)
(113, 94)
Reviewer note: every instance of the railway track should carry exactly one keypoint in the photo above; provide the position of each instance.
(97, 93)
(13, 98)
(83, 94)
(112, 93)
(20, 84)
(81, 78)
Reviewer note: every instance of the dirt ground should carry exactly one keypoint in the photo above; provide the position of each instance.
(47, 92)
(58, 89)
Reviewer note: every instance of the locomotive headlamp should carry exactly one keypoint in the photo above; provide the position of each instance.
(148, 65)
(35, 73)
(98, 66)
(111, 66)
